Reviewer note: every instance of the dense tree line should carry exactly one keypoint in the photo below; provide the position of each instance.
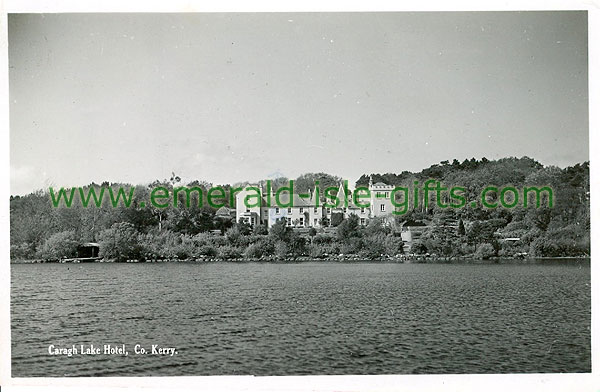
(563, 230)
(40, 230)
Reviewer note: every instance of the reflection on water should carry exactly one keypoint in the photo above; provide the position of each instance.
(307, 318)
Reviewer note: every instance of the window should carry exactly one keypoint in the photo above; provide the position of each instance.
(362, 221)
(301, 210)
(247, 209)
(301, 221)
(277, 210)
(387, 194)
(315, 222)
(289, 210)
(362, 211)
(316, 210)
(382, 207)
(345, 210)
(289, 221)
(329, 210)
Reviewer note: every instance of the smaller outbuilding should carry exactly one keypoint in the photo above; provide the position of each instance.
(88, 250)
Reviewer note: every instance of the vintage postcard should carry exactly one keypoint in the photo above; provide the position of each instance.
(366, 195)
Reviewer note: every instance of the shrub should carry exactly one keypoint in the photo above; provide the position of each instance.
(393, 245)
(267, 243)
(23, 251)
(348, 228)
(418, 248)
(165, 245)
(322, 250)
(261, 230)
(323, 239)
(207, 250)
(59, 245)
(202, 239)
(376, 226)
(229, 252)
(281, 249)
(119, 242)
(186, 247)
(254, 251)
(373, 247)
(296, 245)
(251, 239)
(336, 218)
(234, 235)
(351, 246)
(280, 231)
(484, 251)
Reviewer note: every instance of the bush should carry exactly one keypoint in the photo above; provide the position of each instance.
(418, 248)
(254, 251)
(251, 239)
(163, 245)
(393, 245)
(484, 251)
(336, 218)
(352, 246)
(348, 228)
(323, 250)
(267, 244)
(570, 240)
(281, 249)
(207, 250)
(280, 230)
(376, 226)
(185, 249)
(323, 239)
(23, 251)
(296, 244)
(234, 235)
(260, 230)
(229, 252)
(467, 249)
(59, 245)
(317, 251)
(202, 239)
(119, 242)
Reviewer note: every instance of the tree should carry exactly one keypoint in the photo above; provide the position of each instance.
(120, 242)
(461, 228)
(336, 218)
(485, 251)
(306, 182)
(261, 229)
(59, 245)
(296, 244)
(280, 230)
(348, 228)
(418, 248)
(376, 226)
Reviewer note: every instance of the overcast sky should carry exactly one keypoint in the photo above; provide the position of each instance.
(233, 97)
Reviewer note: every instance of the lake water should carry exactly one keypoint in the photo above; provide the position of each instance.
(306, 318)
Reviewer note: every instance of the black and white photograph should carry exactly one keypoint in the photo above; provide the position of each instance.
(344, 193)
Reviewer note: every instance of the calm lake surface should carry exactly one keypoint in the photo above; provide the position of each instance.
(306, 318)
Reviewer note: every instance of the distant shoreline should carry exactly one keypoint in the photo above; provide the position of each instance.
(338, 259)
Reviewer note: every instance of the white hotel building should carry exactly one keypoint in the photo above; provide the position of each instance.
(306, 212)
